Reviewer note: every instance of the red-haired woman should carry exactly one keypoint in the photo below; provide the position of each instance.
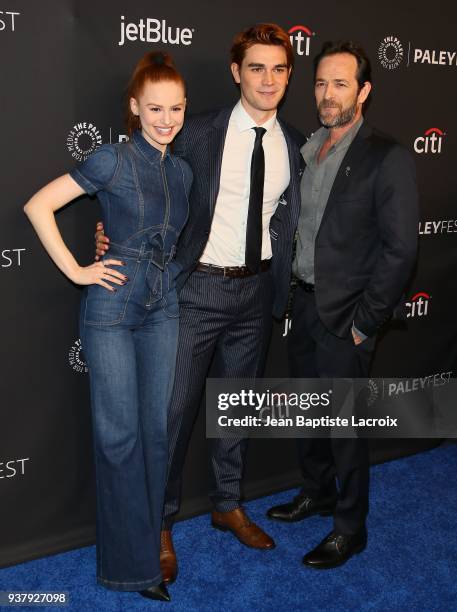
(129, 317)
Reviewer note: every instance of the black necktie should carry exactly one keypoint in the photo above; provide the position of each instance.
(254, 226)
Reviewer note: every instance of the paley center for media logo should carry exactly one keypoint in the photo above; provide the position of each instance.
(154, 31)
(418, 305)
(83, 139)
(76, 358)
(391, 52)
(430, 142)
(8, 21)
(300, 39)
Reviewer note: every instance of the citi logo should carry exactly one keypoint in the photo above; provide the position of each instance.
(153, 31)
(430, 142)
(300, 39)
(418, 306)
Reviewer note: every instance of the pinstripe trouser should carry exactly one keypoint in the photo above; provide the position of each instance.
(224, 324)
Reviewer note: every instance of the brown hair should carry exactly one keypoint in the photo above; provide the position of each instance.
(155, 66)
(261, 34)
(363, 73)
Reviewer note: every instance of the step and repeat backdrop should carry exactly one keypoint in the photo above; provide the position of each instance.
(64, 68)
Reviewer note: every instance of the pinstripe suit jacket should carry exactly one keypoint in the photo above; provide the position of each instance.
(201, 144)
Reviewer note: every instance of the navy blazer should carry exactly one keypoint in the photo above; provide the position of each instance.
(201, 144)
(366, 245)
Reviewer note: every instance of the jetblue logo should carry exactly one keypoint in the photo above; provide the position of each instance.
(154, 31)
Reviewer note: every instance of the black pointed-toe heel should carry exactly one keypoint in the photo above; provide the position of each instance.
(158, 593)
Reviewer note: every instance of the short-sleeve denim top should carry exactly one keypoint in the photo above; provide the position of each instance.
(143, 196)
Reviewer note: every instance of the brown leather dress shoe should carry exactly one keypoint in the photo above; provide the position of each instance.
(168, 561)
(247, 532)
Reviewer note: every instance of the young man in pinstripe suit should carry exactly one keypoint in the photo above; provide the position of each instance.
(234, 272)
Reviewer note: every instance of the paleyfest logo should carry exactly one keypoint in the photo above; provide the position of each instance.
(7, 20)
(154, 31)
(393, 388)
(300, 39)
(435, 57)
(11, 258)
(437, 227)
(430, 142)
(13, 467)
(83, 139)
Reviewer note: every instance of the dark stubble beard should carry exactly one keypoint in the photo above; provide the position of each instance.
(344, 116)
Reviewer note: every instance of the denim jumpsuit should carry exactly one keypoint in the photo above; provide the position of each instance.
(130, 339)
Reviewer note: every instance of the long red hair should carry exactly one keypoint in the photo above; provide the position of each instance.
(155, 66)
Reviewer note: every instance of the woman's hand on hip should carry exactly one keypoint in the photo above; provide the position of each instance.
(100, 273)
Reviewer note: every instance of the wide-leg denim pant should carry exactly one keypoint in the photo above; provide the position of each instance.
(131, 362)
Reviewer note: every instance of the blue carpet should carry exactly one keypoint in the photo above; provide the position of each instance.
(410, 563)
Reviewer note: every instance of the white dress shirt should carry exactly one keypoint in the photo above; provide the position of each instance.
(226, 245)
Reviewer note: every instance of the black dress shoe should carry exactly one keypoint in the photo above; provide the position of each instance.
(158, 592)
(302, 507)
(335, 549)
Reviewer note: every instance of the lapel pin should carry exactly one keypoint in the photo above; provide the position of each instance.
(348, 169)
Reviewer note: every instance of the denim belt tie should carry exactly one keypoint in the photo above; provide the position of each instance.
(146, 253)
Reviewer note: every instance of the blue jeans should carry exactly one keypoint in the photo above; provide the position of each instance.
(129, 340)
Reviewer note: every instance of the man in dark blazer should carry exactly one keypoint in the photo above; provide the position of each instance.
(355, 251)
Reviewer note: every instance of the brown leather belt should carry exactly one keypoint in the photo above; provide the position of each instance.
(232, 271)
